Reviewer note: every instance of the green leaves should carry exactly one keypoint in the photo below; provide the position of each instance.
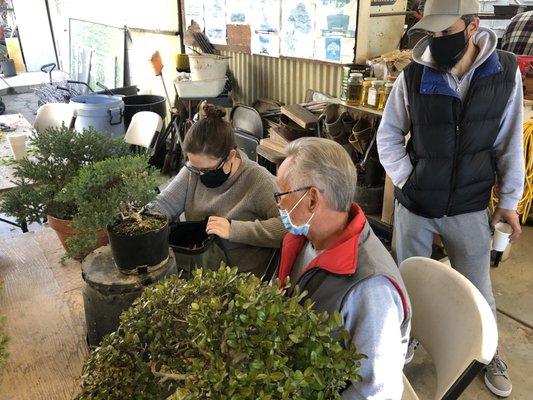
(104, 190)
(221, 335)
(56, 157)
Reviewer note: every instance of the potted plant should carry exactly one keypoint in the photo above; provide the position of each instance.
(221, 335)
(6, 63)
(56, 156)
(112, 195)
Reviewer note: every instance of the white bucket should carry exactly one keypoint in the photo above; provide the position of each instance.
(500, 240)
(200, 89)
(208, 66)
(104, 113)
(17, 143)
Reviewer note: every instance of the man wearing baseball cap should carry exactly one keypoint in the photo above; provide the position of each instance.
(461, 102)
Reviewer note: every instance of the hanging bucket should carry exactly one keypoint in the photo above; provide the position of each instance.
(104, 113)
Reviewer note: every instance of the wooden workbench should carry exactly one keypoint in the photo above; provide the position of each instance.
(43, 304)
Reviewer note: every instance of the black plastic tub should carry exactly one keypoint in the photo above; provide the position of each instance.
(143, 102)
(508, 11)
(148, 249)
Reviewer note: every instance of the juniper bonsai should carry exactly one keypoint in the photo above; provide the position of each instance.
(56, 156)
(221, 335)
(113, 193)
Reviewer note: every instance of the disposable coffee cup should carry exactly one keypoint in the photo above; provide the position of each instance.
(500, 240)
(17, 143)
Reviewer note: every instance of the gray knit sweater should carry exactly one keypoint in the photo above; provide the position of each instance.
(246, 199)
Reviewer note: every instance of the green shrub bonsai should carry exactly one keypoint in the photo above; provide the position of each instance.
(221, 335)
(113, 192)
(56, 156)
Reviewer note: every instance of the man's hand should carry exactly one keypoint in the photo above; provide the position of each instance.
(218, 226)
(509, 216)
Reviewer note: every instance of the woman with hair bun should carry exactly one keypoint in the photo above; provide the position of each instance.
(235, 194)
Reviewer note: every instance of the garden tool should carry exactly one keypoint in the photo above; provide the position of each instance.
(157, 65)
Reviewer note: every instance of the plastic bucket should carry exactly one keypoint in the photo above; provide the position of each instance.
(208, 66)
(104, 113)
(143, 102)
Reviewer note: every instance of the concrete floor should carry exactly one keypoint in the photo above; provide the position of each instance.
(24, 103)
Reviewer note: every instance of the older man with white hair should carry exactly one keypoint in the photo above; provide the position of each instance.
(331, 252)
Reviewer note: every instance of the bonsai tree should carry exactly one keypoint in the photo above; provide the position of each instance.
(56, 156)
(111, 194)
(221, 336)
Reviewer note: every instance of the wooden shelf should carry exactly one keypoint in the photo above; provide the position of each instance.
(364, 109)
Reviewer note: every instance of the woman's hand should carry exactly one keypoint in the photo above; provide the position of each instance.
(218, 226)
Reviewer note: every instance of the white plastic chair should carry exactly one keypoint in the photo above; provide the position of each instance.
(452, 321)
(53, 115)
(143, 127)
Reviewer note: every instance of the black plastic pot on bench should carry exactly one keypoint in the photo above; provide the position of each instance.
(148, 249)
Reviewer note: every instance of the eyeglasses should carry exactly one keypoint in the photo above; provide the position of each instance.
(202, 171)
(278, 196)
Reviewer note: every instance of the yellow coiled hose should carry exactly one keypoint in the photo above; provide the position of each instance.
(524, 206)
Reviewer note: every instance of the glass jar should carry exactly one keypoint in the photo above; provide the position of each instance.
(384, 95)
(364, 91)
(372, 99)
(355, 85)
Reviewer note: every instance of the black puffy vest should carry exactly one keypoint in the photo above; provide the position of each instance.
(451, 145)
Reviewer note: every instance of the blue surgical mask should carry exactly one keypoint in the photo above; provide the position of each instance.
(295, 229)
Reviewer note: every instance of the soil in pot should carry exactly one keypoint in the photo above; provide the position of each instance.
(64, 230)
(139, 242)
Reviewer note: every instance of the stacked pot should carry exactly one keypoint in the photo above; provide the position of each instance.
(357, 134)
(208, 76)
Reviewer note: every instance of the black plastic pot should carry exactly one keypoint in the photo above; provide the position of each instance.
(370, 199)
(374, 174)
(508, 11)
(124, 91)
(148, 249)
(143, 102)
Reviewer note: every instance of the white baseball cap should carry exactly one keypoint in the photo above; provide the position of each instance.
(441, 14)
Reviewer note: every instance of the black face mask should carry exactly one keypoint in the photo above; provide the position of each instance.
(448, 50)
(216, 178)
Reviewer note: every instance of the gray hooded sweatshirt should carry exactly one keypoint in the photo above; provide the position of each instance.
(508, 146)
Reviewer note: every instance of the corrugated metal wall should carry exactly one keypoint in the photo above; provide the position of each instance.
(280, 79)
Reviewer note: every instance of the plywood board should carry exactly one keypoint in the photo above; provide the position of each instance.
(42, 302)
(15, 53)
(303, 117)
(35, 33)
